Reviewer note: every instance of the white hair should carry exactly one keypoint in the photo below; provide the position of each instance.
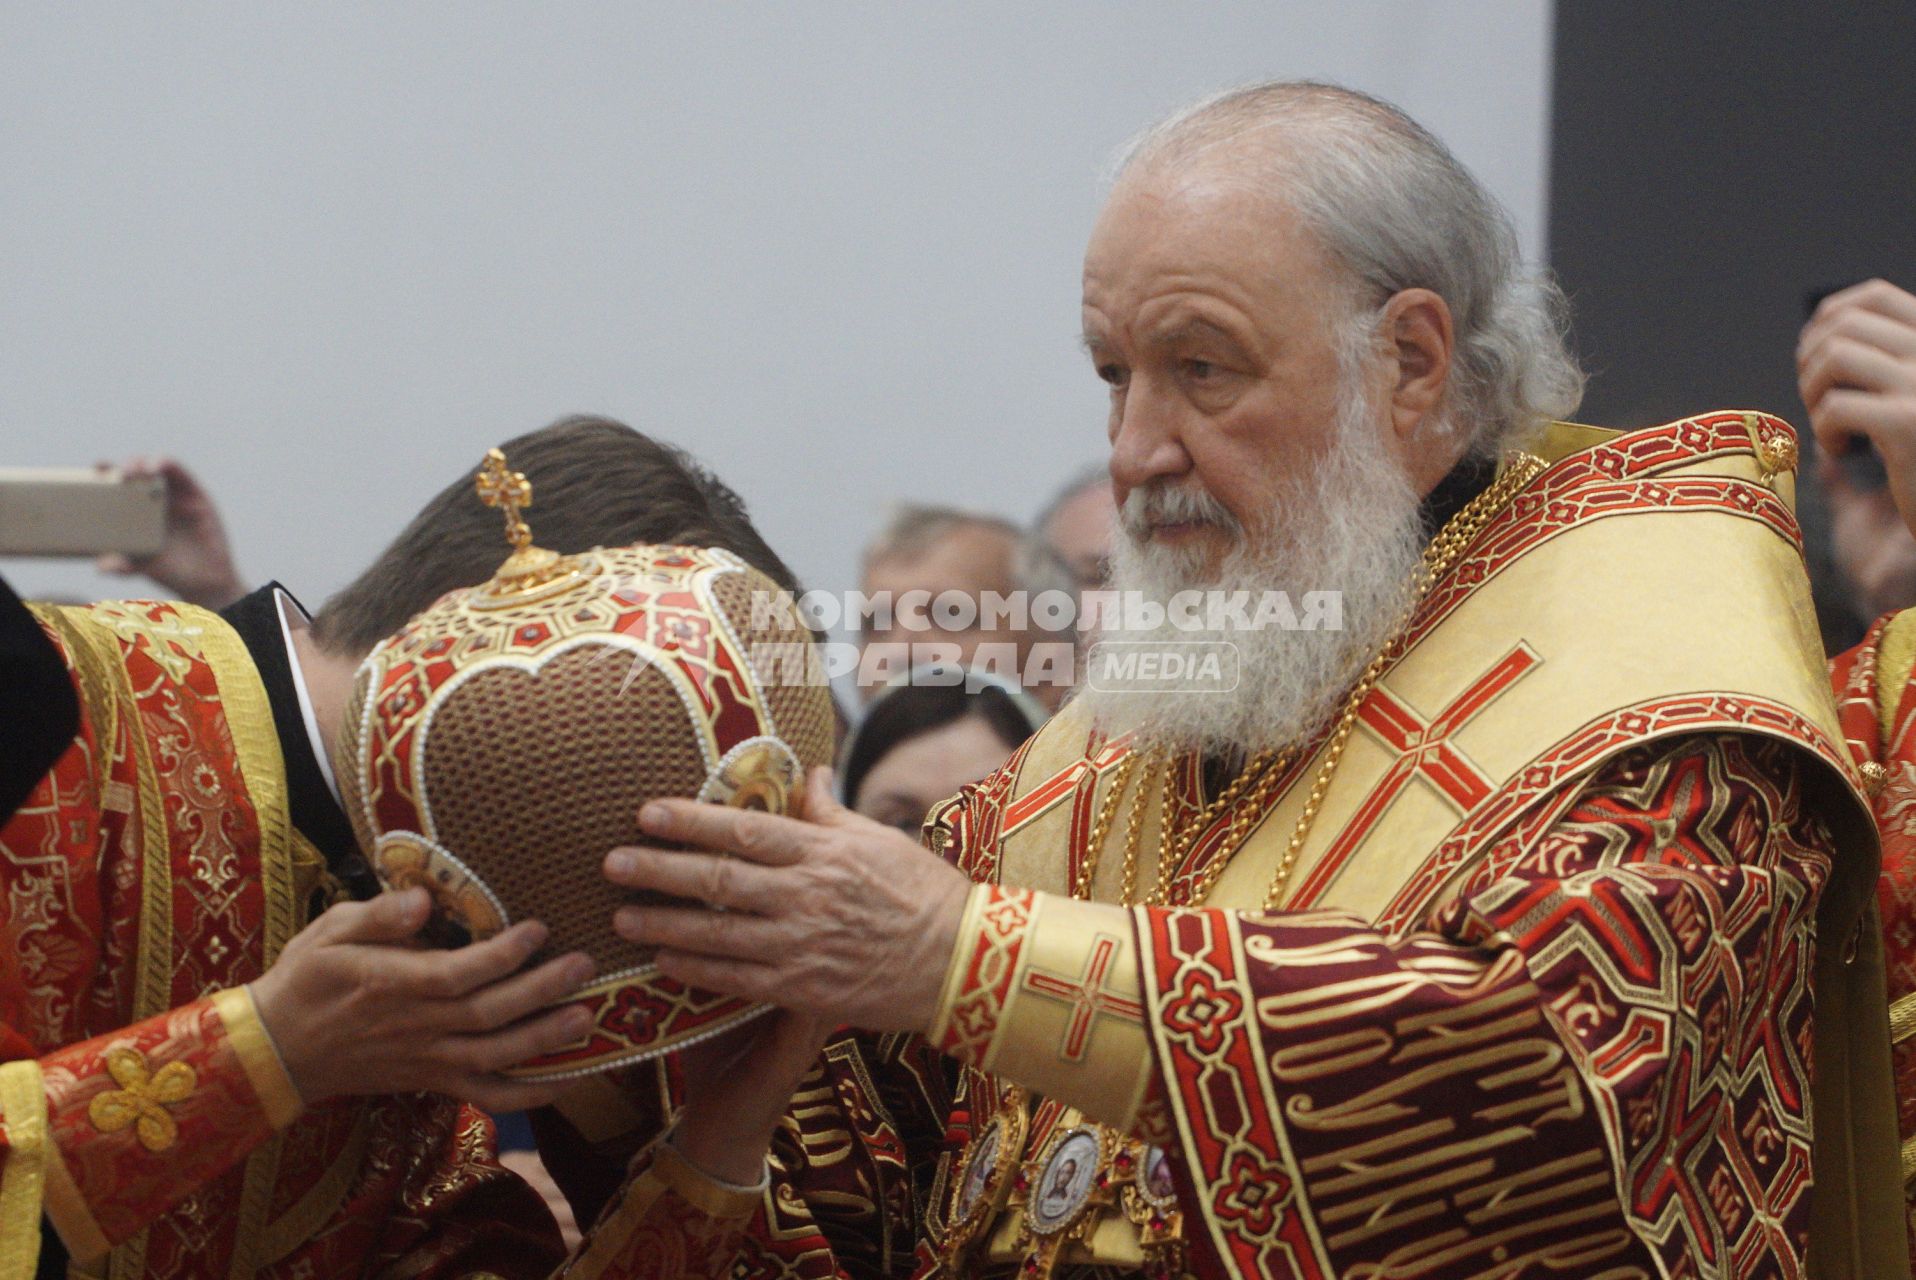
(1397, 211)
(1350, 524)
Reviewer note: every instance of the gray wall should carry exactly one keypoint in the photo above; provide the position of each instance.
(327, 254)
(1757, 155)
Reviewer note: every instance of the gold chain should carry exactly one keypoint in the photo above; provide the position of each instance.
(1174, 848)
(1268, 769)
(1134, 830)
(1458, 532)
(1081, 888)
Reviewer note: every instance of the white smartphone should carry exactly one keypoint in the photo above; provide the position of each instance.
(78, 511)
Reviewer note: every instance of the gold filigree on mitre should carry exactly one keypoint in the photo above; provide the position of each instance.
(529, 572)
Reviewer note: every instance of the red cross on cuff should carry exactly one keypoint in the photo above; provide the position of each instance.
(1088, 995)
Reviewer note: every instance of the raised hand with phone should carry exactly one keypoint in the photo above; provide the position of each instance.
(1856, 369)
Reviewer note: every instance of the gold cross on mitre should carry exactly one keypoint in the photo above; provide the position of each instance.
(510, 491)
(528, 567)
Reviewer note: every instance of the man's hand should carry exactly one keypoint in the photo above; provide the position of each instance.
(836, 916)
(352, 1010)
(737, 1088)
(1856, 369)
(196, 562)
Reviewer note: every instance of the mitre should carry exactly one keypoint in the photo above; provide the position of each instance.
(503, 741)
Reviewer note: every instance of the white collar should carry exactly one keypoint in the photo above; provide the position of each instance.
(291, 616)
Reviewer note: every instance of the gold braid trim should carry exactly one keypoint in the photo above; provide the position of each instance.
(253, 1045)
(313, 1210)
(23, 1105)
(1902, 1018)
(954, 984)
(1895, 657)
(249, 718)
(704, 1192)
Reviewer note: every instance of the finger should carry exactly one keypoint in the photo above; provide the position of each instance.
(1871, 328)
(821, 797)
(530, 1038)
(712, 933)
(178, 478)
(114, 562)
(1876, 295)
(1893, 337)
(512, 998)
(758, 837)
(1846, 363)
(743, 978)
(1833, 479)
(822, 806)
(722, 882)
(451, 975)
(1841, 414)
(388, 918)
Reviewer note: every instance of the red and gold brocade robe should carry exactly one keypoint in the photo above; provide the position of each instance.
(1873, 696)
(1582, 925)
(150, 877)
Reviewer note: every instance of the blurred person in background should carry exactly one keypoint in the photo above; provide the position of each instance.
(1078, 524)
(196, 564)
(1856, 368)
(1872, 548)
(926, 736)
(977, 558)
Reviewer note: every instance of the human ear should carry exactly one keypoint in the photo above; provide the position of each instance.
(1419, 338)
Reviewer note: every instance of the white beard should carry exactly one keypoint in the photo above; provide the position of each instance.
(1352, 526)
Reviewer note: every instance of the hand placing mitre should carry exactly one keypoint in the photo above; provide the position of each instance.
(354, 1008)
(833, 915)
(1856, 369)
(836, 919)
(195, 564)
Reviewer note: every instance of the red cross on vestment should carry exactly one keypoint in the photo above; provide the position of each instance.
(1087, 995)
(1424, 751)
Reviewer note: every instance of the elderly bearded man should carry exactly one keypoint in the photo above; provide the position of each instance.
(1479, 938)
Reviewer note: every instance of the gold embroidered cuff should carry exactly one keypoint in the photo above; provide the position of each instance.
(666, 1200)
(709, 1195)
(254, 1047)
(1072, 1025)
(956, 967)
(983, 964)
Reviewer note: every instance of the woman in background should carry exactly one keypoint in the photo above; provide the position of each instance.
(931, 732)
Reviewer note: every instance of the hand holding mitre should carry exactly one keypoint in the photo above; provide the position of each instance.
(834, 918)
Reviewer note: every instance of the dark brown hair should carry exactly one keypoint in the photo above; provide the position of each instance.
(595, 483)
(905, 711)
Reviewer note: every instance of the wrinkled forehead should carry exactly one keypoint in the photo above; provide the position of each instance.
(1202, 224)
